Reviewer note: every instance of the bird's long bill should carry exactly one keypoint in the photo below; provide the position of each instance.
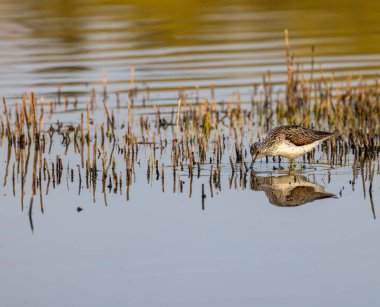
(254, 160)
(256, 156)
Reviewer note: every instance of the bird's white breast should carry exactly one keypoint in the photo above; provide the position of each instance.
(289, 150)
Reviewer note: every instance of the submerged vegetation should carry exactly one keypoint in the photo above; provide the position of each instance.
(112, 142)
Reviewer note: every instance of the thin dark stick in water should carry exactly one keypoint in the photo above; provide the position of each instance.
(30, 214)
(7, 165)
(210, 181)
(13, 180)
(203, 196)
(370, 194)
(163, 177)
(80, 180)
(41, 200)
(363, 181)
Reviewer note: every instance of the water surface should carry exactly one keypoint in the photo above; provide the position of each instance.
(172, 45)
(262, 237)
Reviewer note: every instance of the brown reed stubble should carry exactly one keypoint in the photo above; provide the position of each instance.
(204, 133)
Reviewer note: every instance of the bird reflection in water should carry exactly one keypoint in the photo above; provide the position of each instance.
(289, 190)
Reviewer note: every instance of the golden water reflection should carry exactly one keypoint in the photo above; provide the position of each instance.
(173, 44)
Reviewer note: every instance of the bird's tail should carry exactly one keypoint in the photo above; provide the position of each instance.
(327, 135)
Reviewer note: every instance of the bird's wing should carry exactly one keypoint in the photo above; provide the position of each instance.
(300, 136)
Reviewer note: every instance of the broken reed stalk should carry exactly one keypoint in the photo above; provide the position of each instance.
(178, 116)
(110, 122)
(9, 134)
(287, 49)
(104, 86)
(132, 81)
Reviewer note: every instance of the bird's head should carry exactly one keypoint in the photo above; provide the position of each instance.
(257, 151)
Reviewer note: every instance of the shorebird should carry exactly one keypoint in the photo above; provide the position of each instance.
(289, 191)
(288, 141)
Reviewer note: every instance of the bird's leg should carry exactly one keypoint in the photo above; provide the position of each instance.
(279, 163)
(291, 161)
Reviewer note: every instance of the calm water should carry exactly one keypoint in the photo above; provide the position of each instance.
(175, 44)
(247, 245)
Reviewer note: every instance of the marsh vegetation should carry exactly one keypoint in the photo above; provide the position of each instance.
(116, 140)
(125, 131)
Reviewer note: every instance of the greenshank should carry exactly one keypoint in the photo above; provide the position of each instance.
(288, 141)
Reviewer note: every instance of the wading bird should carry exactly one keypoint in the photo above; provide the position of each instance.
(288, 141)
